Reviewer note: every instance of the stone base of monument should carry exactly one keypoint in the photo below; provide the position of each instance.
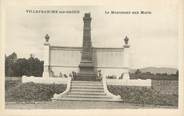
(86, 77)
(86, 72)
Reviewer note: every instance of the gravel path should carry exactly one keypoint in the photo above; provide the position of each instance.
(80, 105)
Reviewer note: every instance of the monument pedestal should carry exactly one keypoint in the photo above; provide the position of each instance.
(86, 77)
(86, 72)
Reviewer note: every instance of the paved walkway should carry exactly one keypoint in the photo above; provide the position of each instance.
(80, 105)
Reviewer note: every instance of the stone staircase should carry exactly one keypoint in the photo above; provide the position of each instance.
(86, 90)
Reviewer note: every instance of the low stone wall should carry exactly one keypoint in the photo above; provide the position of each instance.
(42, 80)
(129, 82)
(51, 80)
(165, 86)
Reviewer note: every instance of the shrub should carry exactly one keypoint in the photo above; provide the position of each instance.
(11, 84)
(33, 92)
(143, 95)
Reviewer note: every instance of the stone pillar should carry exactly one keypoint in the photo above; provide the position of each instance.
(126, 59)
(46, 72)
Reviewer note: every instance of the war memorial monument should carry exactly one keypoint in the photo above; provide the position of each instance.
(86, 68)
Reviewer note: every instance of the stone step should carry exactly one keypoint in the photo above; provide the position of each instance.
(92, 82)
(86, 90)
(87, 84)
(86, 99)
(88, 96)
(79, 87)
(87, 87)
(87, 93)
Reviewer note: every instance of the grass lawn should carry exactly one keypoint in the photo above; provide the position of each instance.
(82, 105)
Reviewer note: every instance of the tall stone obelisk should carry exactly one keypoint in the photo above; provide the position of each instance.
(86, 65)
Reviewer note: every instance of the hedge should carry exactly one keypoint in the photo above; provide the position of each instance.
(33, 92)
(143, 95)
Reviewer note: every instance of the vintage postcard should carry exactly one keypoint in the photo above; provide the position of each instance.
(111, 59)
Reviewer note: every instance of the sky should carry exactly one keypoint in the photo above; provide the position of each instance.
(153, 38)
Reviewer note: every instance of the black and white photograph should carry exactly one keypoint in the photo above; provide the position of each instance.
(65, 57)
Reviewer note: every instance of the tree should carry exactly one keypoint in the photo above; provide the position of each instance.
(35, 66)
(138, 71)
(20, 66)
(177, 73)
(9, 64)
